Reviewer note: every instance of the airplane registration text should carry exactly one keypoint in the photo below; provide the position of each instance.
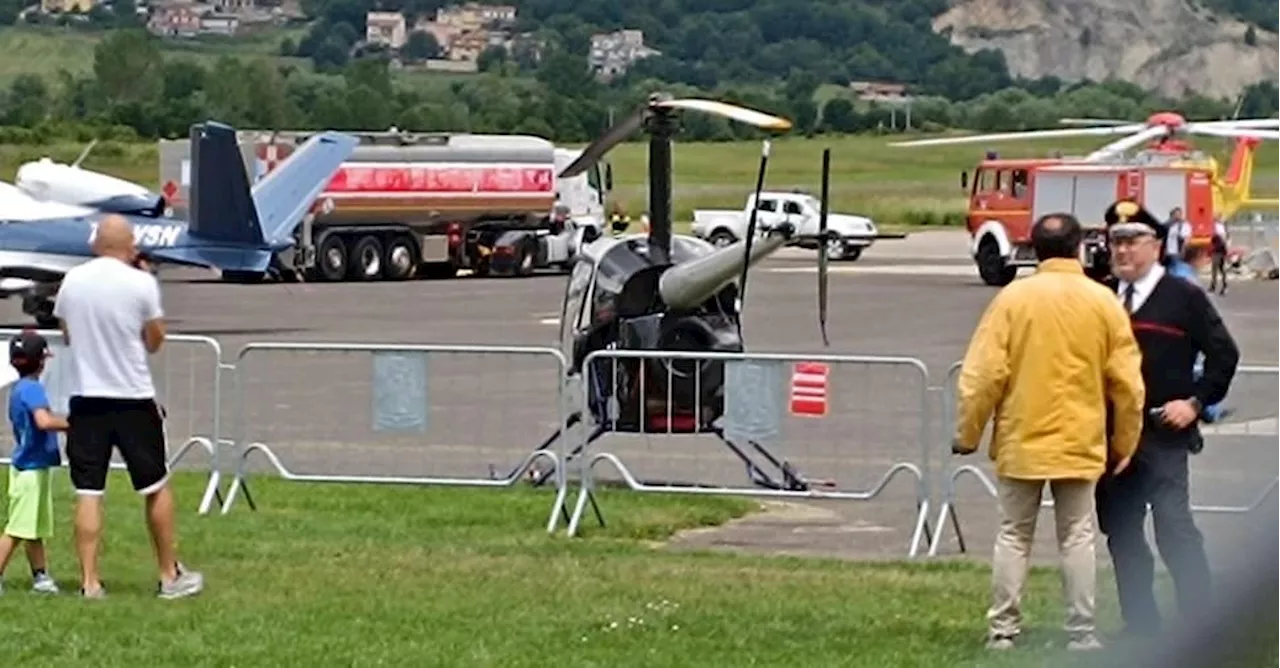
(148, 235)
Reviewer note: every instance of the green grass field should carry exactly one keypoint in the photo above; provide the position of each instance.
(46, 50)
(908, 186)
(370, 575)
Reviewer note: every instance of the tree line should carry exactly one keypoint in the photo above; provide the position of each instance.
(134, 90)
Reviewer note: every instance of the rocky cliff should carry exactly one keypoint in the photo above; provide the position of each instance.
(1172, 46)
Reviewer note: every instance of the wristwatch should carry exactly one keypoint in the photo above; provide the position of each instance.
(1195, 403)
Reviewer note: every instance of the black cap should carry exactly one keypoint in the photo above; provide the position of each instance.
(28, 346)
(1127, 219)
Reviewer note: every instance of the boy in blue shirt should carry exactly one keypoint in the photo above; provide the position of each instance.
(35, 452)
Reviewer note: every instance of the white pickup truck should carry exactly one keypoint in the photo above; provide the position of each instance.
(848, 235)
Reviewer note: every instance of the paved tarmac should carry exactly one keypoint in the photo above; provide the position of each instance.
(917, 298)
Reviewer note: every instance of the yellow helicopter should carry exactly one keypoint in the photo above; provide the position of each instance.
(1232, 188)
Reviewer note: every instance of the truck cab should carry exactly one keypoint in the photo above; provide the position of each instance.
(586, 195)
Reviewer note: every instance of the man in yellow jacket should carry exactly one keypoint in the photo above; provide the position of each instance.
(1048, 356)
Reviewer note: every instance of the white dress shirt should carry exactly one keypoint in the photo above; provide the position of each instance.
(1179, 233)
(1142, 288)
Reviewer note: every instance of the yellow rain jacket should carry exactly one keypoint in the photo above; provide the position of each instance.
(1049, 355)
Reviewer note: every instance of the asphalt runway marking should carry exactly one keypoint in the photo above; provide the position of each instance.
(968, 271)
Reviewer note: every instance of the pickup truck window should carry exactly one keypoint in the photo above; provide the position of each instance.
(767, 205)
(792, 209)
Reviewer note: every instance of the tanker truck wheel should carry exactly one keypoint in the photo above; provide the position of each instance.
(398, 263)
(366, 259)
(331, 259)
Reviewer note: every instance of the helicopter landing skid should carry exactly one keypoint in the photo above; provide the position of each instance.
(785, 477)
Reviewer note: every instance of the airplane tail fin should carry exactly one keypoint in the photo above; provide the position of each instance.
(236, 227)
(221, 205)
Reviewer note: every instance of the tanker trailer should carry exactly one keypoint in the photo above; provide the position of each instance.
(431, 205)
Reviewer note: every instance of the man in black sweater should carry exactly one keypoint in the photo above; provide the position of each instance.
(1173, 321)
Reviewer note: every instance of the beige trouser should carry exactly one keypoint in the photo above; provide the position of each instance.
(1073, 514)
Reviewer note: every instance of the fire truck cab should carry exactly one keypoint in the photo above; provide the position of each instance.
(1007, 196)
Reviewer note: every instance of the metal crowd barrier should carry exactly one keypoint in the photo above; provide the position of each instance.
(419, 414)
(1235, 473)
(848, 418)
(188, 375)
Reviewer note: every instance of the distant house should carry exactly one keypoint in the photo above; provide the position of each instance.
(387, 28)
(220, 24)
(463, 31)
(233, 6)
(474, 15)
(613, 53)
(176, 19)
(876, 91)
(66, 6)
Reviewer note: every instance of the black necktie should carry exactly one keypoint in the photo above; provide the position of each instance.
(1128, 299)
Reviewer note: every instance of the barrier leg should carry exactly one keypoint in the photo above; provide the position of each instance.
(920, 533)
(585, 496)
(211, 490)
(241, 482)
(948, 509)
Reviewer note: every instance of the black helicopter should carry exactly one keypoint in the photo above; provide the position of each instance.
(669, 292)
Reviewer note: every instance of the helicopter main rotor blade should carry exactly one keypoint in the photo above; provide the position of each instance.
(1122, 145)
(1244, 123)
(751, 228)
(1219, 131)
(1034, 134)
(605, 143)
(1090, 122)
(729, 111)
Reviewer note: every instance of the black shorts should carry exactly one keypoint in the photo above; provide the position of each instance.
(134, 426)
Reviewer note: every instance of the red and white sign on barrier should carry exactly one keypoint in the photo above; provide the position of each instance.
(809, 389)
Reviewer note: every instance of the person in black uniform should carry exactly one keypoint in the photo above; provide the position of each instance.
(1218, 248)
(1173, 321)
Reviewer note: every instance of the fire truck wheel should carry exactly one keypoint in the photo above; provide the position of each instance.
(992, 267)
(398, 261)
(331, 259)
(366, 259)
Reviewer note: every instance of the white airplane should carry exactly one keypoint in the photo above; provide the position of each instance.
(48, 181)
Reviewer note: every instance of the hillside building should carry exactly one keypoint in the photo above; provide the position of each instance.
(612, 54)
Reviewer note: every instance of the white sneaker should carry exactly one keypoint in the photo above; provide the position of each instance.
(1000, 643)
(44, 584)
(1085, 643)
(188, 583)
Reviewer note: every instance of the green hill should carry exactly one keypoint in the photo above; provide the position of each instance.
(44, 50)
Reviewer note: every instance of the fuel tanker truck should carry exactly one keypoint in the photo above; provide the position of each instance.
(428, 205)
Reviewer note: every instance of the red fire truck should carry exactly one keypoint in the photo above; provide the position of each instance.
(1007, 196)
